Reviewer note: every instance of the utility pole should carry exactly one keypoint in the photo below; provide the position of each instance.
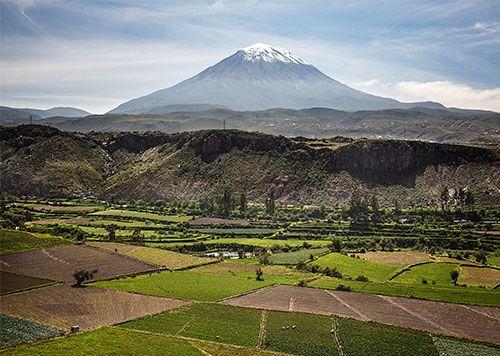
(223, 124)
(31, 119)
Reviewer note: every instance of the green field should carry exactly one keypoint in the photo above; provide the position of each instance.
(311, 335)
(141, 215)
(207, 283)
(434, 273)
(448, 346)
(15, 330)
(353, 267)
(213, 322)
(292, 258)
(452, 294)
(368, 338)
(494, 260)
(128, 224)
(16, 241)
(236, 231)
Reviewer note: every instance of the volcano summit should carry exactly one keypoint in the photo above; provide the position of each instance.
(260, 77)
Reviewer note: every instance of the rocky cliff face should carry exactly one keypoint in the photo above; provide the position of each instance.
(39, 160)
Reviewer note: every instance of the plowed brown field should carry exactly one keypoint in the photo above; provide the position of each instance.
(59, 263)
(62, 306)
(11, 282)
(472, 322)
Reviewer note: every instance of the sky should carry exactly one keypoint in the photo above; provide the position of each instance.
(97, 54)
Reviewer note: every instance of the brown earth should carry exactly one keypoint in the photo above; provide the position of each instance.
(59, 263)
(62, 306)
(11, 282)
(479, 276)
(471, 322)
(400, 258)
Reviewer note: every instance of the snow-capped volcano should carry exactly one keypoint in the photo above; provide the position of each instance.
(268, 53)
(260, 77)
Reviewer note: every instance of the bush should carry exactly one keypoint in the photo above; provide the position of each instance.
(343, 288)
(302, 283)
(424, 281)
(259, 274)
(362, 279)
(82, 276)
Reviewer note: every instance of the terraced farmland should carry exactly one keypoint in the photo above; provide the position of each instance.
(154, 256)
(141, 215)
(59, 263)
(11, 282)
(12, 241)
(354, 267)
(399, 258)
(432, 273)
(206, 283)
(62, 306)
(292, 258)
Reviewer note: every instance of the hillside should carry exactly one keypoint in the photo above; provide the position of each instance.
(16, 116)
(43, 161)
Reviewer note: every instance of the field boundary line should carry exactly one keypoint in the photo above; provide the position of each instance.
(336, 337)
(262, 330)
(290, 304)
(479, 312)
(348, 306)
(184, 327)
(246, 293)
(47, 253)
(415, 314)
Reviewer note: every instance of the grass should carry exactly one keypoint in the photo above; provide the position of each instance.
(451, 294)
(16, 241)
(398, 258)
(129, 224)
(494, 260)
(448, 346)
(142, 215)
(354, 267)
(311, 335)
(434, 273)
(165, 258)
(15, 330)
(213, 322)
(240, 231)
(368, 338)
(207, 283)
(292, 258)
(110, 341)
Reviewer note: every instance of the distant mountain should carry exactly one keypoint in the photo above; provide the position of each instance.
(419, 123)
(10, 115)
(167, 109)
(261, 77)
(43, 161)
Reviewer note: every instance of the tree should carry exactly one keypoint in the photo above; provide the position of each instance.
(469, 199)
(82, 276)
(243, 202)
(226, 203)
(270, 203)
(445, 197)
(111, 229)
(397, 208)
(259, 274)
(454, 276)
(336, 244)
(137, 237)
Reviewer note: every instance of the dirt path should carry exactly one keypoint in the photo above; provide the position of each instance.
(336, 336)
(262, 331)
(348, 306)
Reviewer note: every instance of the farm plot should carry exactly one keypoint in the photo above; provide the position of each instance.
(11, 282)
(206, 283)
(213, 322)
(292, 258)
(61, 306)
(447, 346)
(479, 276)
(399, 258)
(59, 263)
(451, 293)
(65, 208)
(12, 241)
(131, 214)
(476, 323)
(155, 256)
(238, 231)
(15, 331)
(432, 273)
(253, 241)
(354, 267)
(218, 221)
(120, 341)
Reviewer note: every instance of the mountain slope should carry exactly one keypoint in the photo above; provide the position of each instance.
(21, 115)
(262, 77)
(419, 123)
(39, 160)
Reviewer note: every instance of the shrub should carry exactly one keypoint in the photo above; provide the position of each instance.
(424, 281)
(302, 283)
(343, 288)
(362, 279)
(259, 274)
(82, 276)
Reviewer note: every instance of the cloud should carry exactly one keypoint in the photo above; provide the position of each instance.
(446, 92)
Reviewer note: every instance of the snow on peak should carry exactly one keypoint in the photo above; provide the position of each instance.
(268, 53)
